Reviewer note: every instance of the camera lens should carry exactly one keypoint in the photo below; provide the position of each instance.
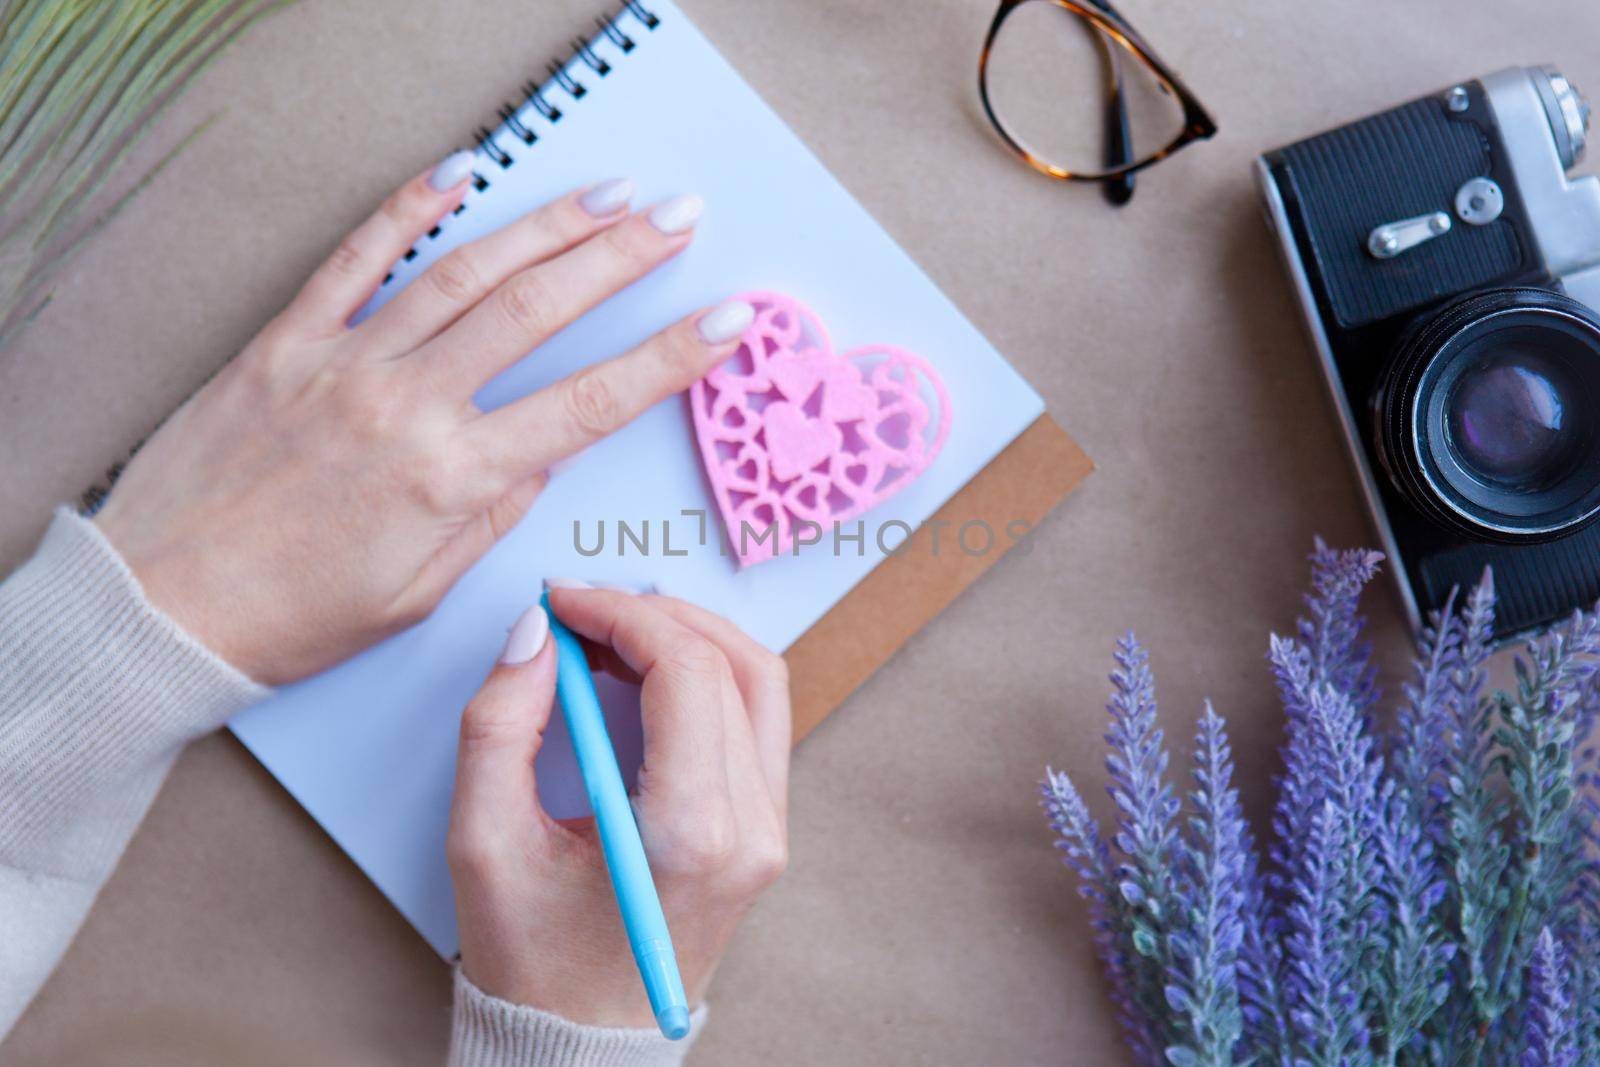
(1512, 419)
(1485, 416)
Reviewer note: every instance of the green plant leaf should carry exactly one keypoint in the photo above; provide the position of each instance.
(82, 83)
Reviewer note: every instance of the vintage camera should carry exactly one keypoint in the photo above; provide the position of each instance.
(1449, 272)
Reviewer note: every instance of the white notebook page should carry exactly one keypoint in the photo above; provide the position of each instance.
(368, 747)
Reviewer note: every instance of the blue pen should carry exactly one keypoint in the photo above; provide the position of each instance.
(619, 833)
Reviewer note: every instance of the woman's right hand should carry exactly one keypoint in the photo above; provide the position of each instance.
(538, 920)
(331, 484)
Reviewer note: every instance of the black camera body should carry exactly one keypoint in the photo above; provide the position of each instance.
(1449, 273)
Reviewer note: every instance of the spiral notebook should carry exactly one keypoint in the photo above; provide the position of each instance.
(368, 747)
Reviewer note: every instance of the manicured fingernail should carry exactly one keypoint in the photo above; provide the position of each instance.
(677, 214)
(566, 583)
(726, 321)
(607, 198)
(455, 169)
(527, 637)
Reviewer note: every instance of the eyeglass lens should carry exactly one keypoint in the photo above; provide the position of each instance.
(1051, 76)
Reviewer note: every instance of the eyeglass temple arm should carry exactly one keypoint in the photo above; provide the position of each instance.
(1118, 141)
(1118, 135)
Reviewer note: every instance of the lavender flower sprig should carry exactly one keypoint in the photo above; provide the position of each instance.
(1329, 1028)
(1549, 1034)
(1430, 894)
(1085, 851)
(1586, 990)
(1332, 627)
(1415, 974)
(1422, 726)
(1475, 850)
(1203, 992)
(1268, 1038)
(1536, 734)
(1138, 765)
(1146, 837)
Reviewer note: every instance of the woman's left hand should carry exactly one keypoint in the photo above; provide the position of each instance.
(331, 484)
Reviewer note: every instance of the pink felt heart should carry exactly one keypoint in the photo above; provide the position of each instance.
(795, 441)
(796, 437)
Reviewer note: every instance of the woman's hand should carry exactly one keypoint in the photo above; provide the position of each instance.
(539, 924)
(329, 486)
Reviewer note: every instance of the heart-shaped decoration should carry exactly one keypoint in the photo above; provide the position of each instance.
(796, 438)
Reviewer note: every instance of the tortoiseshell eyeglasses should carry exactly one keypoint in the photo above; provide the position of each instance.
(1078, 95)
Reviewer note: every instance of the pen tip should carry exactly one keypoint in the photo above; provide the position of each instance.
(674, 1022)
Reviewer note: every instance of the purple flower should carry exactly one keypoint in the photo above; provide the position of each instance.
(1084, 850)
(1331, 630)
(1203, 991)
(1422, 729)
(1414, 973)
(1417, 878)
(1324, 1008)
(1585, 986)
(1537, 732)
(1267, 1036)
(1325, 680)
(1145, 804)
(1548, 1034)
(1474, 849)
(1328, 799)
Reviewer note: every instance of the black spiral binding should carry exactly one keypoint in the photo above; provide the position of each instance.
(538, 96)
(610, 28)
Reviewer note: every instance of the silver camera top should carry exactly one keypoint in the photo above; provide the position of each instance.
(1544, 122)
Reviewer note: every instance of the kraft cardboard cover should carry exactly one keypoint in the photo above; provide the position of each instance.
(1032, 475)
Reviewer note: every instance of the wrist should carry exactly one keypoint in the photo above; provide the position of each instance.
(172, 588)
(198, 587)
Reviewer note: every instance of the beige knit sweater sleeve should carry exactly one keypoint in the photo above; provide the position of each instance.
(98, 693)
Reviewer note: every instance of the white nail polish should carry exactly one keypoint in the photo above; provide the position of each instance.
(677, 214)
(726, 321)
(455, 169)
(527, 637)
(607, 198)
(566, 583)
